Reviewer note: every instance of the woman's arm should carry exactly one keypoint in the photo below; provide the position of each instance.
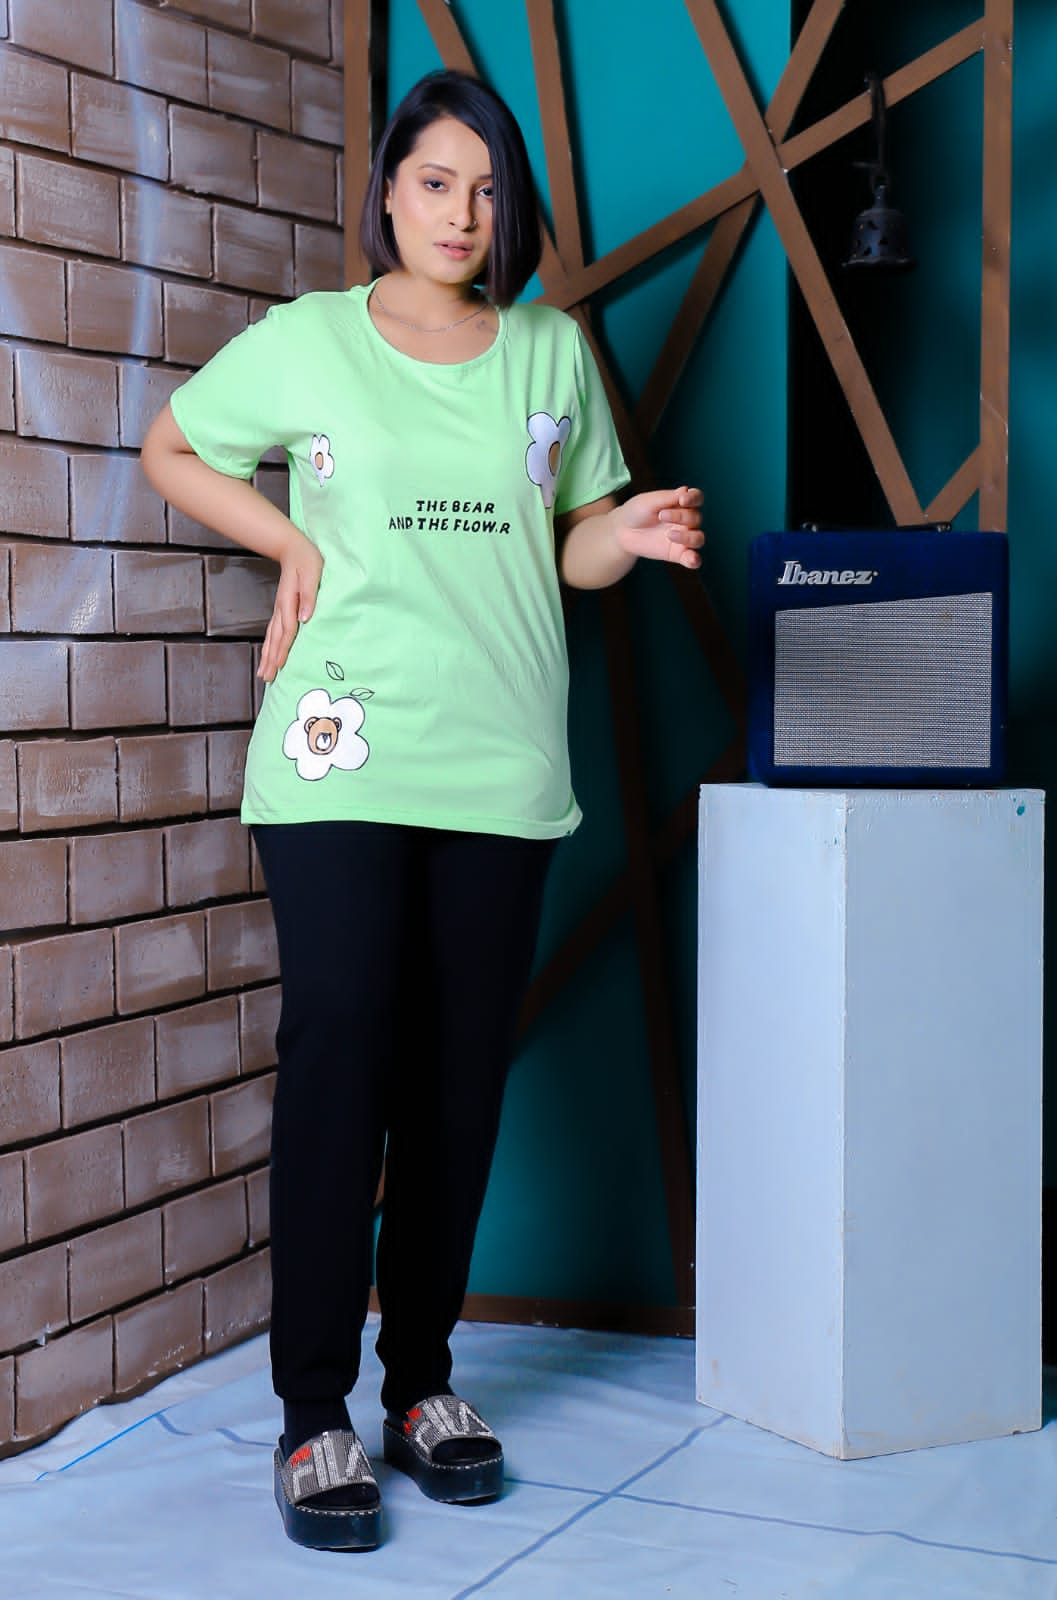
(603, 540)
(236, 509)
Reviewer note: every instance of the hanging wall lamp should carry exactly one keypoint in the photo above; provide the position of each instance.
(880, 239)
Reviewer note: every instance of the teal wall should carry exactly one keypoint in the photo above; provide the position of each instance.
(576, 1205)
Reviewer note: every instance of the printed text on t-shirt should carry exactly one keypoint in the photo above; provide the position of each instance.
(450, 516)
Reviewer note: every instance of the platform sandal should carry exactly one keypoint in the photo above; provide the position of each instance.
(447, 1448)
(332, 1460)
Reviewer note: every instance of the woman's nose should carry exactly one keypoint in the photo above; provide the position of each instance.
(462, 213)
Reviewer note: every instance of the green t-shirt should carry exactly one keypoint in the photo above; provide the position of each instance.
(430, 685)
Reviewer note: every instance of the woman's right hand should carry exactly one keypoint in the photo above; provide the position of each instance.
(300, 569)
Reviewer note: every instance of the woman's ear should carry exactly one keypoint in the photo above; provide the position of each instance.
(388, 195)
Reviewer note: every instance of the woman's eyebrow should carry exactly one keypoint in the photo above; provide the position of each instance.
(435, 166)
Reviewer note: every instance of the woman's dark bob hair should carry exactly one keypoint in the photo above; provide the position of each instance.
(515, 250)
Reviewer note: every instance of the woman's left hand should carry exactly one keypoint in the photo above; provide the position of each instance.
(662, 525)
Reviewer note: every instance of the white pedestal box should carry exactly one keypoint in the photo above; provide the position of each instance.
(869, 1123)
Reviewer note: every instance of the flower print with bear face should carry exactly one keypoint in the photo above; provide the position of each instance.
(321, 458)
(326, 734)
(543, 458)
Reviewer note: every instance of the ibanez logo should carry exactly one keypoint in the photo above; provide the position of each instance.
(793, 572)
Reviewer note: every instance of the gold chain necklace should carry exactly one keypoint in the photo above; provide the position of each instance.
(416, 328)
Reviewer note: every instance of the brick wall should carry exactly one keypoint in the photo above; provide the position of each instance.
(167, 171)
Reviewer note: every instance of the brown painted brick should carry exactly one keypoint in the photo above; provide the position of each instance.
(32, 294)
(205, 860)
(7, 995)
(7, 192)
(242, 946)
(242, 1121)
(32, 1297)
(208, 683)
(160, 962)
(227, 763)
(253, 251)
(33, 883)
(12, 1205)
(62, 1378)
(260, 306)
(7, 1400)
(240, 593)
(212, 155)
(166, 1150)
(63, 396)
(115, 126)
(258, 1021)
(61, 590)
(63, 981)
(160, 52)
(32, 685)
(5, 589)
(34, 101)
(162, 228)
(115, 1264)
(196, 1046)
(233, 13)
(33, 489)
(63, 204)
(296, 177)
(257, 878)
(337, 30)
(159, 1336)
(114, 308)
(274, 484)
(319, 260)
(143, 391)
(114, 875)
(257, 1184)
(156, 593)
(117, 684)
(7, 388)
(199, 320)
(204, 1228)
(341, 188)
(237, 1301)
(67, 783)
(184, 530)
(248, 79)
(29, 1091)
(73, 1182)
(317, 103)
(302, 24)
(113, 502)
(8, 785)
(50, 31)
(107, 1071)
(163, 776)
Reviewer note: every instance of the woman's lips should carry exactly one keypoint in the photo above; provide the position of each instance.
(459, 252)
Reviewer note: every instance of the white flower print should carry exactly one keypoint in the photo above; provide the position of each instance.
(543, 458)
(326, 734)
(321, 458)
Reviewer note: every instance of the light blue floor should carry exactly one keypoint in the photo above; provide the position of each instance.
(619, 1485)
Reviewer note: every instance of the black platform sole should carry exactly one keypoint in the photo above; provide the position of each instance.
(344, 1528)
(456, 1483)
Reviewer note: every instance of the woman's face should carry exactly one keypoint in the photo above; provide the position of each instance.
(440, 205)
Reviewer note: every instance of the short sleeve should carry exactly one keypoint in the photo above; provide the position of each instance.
(592, 465)
(240, 404)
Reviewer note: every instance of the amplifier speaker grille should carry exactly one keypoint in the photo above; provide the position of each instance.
(898, 683)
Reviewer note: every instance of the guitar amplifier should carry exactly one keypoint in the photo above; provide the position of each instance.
(878, 657)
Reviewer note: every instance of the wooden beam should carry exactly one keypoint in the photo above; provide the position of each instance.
(364, 32)
(810, 274)
(557, 145)
(730, 229)
(994, 315)
(957, 493)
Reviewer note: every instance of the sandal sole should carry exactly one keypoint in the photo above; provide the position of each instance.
(345, 1529)
(464, 1483)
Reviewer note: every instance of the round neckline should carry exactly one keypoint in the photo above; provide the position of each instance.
(417, 361)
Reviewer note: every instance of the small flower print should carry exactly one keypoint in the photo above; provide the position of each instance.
(543, 458)
(326, 734)
(322, 460)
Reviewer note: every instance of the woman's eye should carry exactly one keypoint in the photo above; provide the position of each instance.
(486, 191)
(434, 184)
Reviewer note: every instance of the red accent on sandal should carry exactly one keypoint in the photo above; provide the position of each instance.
(304, 1454)
(415, 1413)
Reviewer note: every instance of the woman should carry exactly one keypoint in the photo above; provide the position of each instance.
(408, 773)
